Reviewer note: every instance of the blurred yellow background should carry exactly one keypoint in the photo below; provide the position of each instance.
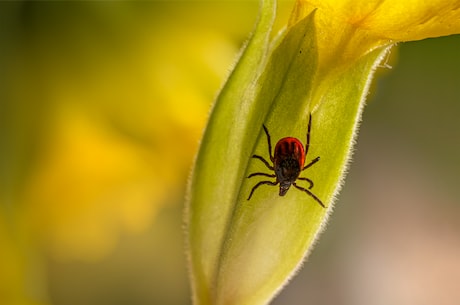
(101, 109)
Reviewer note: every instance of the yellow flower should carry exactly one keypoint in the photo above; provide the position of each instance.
(347, 30)
(364, 25)
(397, 20)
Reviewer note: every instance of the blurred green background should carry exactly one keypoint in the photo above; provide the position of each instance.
(102, 105)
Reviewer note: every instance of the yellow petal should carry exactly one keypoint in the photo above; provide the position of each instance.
(399, 20)
(340, 44)
(349, 29)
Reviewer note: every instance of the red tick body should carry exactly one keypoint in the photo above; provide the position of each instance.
(288, 162)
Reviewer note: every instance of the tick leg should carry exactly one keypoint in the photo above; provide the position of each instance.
(259, 184)
(310, 194)
(269, 142)
(311, 163)
(264, 161)
(262, 174)
(307, 144)
(308, 180)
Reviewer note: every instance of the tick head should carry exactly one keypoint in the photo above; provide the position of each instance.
(284, 187)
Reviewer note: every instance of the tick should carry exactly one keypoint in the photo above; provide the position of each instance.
(288, 162)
